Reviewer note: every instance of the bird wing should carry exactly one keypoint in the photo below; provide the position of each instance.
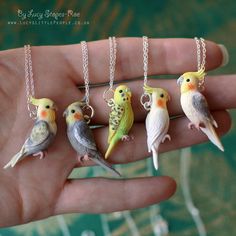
(39, 134)
(200, 104)
(84, 135)
(157, 124)
(116, 114)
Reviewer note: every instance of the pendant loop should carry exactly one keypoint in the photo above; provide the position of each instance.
(90, 112)
(146, 104)
(106, 96)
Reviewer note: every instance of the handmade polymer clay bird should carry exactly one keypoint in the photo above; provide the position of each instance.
(121, 117)
(195, 106)
(157, 121)
(42, 133)
(81, 137)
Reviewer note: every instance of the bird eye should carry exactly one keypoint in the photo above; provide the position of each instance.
(188, 80)
(120, 91)
(72, 111)
(162, 95)
(47, 107)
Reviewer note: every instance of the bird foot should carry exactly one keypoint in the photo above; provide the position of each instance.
(41, 155)
(167, 136)
(127, 138)
(82, 159)
(197, 126)
(192, 125)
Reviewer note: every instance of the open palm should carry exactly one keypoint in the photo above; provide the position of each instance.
(36, 189)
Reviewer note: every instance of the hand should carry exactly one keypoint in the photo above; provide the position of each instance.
(37, 189)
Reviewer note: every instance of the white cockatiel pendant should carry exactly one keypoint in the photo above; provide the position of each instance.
(157, 121)
(195, 106)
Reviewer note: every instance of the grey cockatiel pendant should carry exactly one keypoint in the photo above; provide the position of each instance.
(42, 133)
(195, 106)
(81, 137)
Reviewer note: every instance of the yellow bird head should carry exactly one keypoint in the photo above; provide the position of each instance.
(122, 95)
(189, 81)
(45, 108)
(74, 113)
(159, 96)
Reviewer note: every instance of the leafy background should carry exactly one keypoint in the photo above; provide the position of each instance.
(212, 173)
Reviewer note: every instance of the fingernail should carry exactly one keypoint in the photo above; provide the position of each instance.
(225, 54)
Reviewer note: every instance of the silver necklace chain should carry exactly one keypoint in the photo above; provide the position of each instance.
(145, 98)
(84, 49)
(145, 58)
(29, 82)
(112, 67)
(201, 52)
(201, 57)
(85, 57)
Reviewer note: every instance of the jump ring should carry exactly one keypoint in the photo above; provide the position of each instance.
(105, 94)
(146, 104)
(89, 116)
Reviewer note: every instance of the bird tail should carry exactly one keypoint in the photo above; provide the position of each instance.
(100, 161)
(212, 135)
(112, 144)
(15, 159)
(155, 157)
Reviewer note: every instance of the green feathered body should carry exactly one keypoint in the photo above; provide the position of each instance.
(120, 122)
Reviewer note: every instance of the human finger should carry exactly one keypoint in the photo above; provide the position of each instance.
(109, 195)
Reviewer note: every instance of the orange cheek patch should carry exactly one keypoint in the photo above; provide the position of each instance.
(43, 114)
(77, 116)
(160, 103)
(191, 87)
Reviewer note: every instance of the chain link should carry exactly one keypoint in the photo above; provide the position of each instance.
(113, 49)
(29, 81)
(87, 106)
(145, 96)
(198, 53)
(201, 58)
(145, 58)
(201, 53)
(84, 49)
(112, 67)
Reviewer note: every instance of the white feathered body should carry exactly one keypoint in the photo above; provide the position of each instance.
(157, 125)
(187, 105)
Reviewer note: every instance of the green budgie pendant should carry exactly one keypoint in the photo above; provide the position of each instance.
(121, 117)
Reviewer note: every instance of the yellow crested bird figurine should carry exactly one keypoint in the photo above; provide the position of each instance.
(195, 106)
(121, 117)
(81, 137)
(157, 121)
(42, 133)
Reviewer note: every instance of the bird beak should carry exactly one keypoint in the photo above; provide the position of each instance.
(180, 80)
(128, 91)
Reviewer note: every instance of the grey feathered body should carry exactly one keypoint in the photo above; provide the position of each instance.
(43, 144)
(82, 140)
(41, 136)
